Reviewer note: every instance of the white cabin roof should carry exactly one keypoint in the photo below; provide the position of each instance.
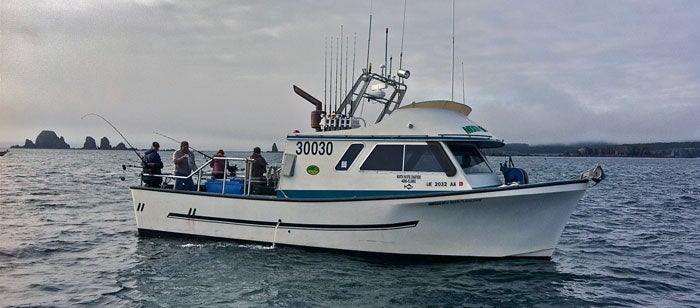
(426, 120)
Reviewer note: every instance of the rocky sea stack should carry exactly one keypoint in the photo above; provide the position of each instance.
(104, 144)
(47, 139)
(89, 144)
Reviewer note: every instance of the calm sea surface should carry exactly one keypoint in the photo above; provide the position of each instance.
(68, 238)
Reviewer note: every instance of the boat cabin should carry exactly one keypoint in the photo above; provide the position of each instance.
(421, 148)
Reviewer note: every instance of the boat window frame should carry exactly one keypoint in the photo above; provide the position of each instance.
(485, 161)
(350, 156)
(443, 158)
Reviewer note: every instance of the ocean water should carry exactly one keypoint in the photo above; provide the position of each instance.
(68, 238)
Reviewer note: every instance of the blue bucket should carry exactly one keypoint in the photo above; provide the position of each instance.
(232, 187)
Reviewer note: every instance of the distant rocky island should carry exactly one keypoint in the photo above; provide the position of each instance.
(45, 140)
(48, 139)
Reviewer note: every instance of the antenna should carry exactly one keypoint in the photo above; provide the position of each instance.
(330, 81)
(464, 97)
(369, 35)
(337, 61)
(340, 71)
(347, 43)
(325, 73)
(403, 30)
(354, 49)
(391, 61)
(386, 49)
(453, 50)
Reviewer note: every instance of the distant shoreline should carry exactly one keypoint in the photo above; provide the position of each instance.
(650, 150)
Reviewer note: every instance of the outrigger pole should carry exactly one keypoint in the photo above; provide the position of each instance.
(118, 132)
(178, 141)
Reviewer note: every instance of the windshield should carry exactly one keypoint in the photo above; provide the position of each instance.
(469, 157)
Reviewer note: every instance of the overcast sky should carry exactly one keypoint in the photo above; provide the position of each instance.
(220, 73)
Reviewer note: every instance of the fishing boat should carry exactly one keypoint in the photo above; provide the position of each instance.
(3, 152)
(414, 182)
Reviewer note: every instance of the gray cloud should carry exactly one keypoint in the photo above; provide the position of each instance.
(220, 73)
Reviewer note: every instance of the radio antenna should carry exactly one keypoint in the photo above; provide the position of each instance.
(386, 50)
(403, 30)
(464, 97)
(340, 71)
(354, 49)
(325, 74)
(391, 63)
(453, 50)
(337, 68)
(369, 35)
(330, 80)
(347, 43)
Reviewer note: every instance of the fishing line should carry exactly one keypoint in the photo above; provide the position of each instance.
(179, 142)
(118, 132)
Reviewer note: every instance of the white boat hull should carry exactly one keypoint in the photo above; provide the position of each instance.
(516, 221)
(524, 221)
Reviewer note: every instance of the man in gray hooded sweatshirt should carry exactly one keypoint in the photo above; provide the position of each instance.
(183, 160)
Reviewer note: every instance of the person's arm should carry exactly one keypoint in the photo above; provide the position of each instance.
(179, 157)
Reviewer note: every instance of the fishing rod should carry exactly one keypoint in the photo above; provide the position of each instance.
(173, 139)
(118, 132)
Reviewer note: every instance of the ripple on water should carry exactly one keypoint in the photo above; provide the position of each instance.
(69, 239)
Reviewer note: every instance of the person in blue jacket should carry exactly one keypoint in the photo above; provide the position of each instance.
(152, 164)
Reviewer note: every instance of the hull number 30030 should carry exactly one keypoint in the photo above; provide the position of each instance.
(314, 148)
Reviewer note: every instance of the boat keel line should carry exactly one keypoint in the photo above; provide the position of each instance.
(298, 226)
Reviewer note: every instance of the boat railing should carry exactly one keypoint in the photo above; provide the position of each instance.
(247, 161)
(272, 172)
(168, 176)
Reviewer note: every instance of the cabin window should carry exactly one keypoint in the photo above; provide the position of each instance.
(469, 157)
(421, 158)
(443, 159)
(349, 157)
(412, 157)
(385, 157)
